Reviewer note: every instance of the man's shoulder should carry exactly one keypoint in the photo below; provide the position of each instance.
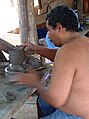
(71, 49)
(75, 47)
(76, 43)
(68, 47)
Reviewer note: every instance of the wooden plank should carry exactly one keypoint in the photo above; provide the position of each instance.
(5, 46)
(10, 108)
(40, 19)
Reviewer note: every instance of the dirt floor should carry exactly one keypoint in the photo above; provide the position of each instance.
(28, 110)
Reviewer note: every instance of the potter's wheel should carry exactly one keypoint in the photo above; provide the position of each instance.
(17, 69)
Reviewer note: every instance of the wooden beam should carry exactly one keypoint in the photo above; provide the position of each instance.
(32, 29)
(40, 5)
(40, 19)
(5, 46)
(22, 5)
(80, 8)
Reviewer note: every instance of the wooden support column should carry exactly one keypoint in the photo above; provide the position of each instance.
(32, 28)
(40, 5)
(80, 9)
(22, 9)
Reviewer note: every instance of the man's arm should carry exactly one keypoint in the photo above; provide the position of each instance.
(41, 50)
(46, 52)
(61, 81)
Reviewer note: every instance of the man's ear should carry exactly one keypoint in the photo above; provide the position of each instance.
(59, 27)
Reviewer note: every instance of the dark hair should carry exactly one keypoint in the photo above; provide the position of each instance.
(63, 15)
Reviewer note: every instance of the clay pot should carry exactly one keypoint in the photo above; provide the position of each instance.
(16, 56)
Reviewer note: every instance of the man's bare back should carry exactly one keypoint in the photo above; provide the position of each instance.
(77, 102)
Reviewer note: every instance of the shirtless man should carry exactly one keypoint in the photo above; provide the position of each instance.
(68, 92)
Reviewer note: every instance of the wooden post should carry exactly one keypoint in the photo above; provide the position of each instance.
(32, 29)
(22, 9)
(80, 9)
(40, 5)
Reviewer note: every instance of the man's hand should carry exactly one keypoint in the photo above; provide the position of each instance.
(31, 79)
(29, 47)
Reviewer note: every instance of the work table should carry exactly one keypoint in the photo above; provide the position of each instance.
(9, 108)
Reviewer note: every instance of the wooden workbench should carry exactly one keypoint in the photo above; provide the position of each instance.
(9, 108)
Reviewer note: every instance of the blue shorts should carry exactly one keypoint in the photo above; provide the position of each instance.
(50, 112)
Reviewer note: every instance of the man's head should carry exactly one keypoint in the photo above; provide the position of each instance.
(63, 15)
(60, 20)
